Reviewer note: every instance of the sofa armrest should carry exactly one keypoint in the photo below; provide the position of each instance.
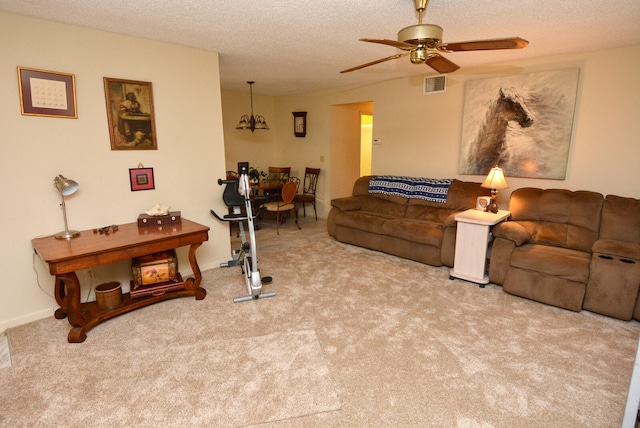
(450, 220)
(613, 247)
(512, 231)
(346, 204)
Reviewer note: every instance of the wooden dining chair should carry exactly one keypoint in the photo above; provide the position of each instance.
(284, 207)
(308, 195)
(278, 175)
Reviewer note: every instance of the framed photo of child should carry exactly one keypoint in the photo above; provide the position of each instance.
(130, 114)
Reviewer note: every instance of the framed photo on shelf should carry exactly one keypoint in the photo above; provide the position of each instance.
(130, 114)
(482, 202)
(47, 93)
(300, 123)
(141, 179)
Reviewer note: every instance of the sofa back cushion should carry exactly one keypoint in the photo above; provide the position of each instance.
(462, 196)
(558, 217)
(620, 219)
(391, 205)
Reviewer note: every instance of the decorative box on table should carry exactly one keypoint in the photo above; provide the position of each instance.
(172, 217)
(155, 274)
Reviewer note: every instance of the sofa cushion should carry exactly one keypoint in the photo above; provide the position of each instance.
(621, 219)
(385, 207)
(412, 230)
(558, 217)
(365, 221)
(558, 262)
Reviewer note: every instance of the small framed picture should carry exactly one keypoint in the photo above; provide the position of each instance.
(47, 93)
(483, 202)
(141, 179)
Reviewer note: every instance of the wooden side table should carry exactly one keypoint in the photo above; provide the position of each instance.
(472, 241)
(88, 250)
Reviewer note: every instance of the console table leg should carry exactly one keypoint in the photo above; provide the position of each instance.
(61, 299)
(191, 283)
(194, 264)
(71, 302)
(77, 335)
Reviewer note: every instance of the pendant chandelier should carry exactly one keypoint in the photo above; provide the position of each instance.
(252, 122)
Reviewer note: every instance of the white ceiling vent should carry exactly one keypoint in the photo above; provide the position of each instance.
(435, 84)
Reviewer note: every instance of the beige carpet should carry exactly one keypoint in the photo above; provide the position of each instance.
(353, 338)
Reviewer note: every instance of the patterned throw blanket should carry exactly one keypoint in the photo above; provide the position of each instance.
(429, 189)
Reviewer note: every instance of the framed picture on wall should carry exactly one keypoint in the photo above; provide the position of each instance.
(130, 114)
(141, 179)
(47, 93)
(522, 123)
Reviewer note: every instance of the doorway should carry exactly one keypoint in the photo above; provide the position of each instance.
(366, 143)
(349, 160)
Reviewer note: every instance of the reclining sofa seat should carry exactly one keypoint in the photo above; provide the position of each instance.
(543, 252)
(614, 279)
(414, 229)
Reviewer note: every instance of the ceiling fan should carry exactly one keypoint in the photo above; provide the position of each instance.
(424, 43)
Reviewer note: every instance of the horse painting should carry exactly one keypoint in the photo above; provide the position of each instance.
(521, 123)
(488, 149)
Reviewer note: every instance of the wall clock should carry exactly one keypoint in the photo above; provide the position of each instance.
(300, 123)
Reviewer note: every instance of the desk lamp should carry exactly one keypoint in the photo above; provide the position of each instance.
(494, 181)
(66, 187)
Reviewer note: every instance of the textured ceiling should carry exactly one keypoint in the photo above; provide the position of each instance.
(291, 46)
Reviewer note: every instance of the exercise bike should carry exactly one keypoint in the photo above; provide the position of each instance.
(237, 194)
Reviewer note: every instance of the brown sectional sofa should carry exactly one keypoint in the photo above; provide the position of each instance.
(571, 249)
(411, 228)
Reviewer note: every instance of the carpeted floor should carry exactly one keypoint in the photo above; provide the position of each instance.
(353, 338)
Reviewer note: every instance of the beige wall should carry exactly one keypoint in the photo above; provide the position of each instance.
(186, 88)
(421, 133)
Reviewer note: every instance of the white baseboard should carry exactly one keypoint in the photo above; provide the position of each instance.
(24, 319)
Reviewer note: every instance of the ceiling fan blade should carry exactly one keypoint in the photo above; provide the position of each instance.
(484, 45)
(441, 64)
(396, 56)
(394, 43)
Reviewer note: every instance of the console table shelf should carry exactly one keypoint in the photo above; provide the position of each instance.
(89, 250)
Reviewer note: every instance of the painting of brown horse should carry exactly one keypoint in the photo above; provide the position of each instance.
(521, 123)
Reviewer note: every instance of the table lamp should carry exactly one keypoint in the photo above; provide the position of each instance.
(66, 187)
(494, 181)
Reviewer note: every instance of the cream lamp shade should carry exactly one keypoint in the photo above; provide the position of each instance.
(494, 181)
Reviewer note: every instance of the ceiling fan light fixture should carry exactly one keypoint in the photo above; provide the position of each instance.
(419, 55)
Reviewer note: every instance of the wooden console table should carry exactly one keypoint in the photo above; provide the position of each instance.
(90, 249)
